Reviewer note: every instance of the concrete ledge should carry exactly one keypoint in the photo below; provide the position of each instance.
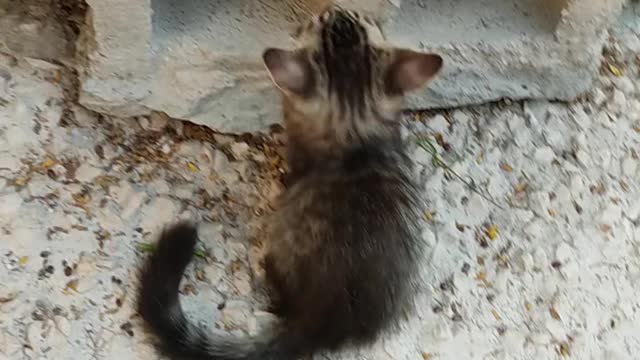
(200, 59)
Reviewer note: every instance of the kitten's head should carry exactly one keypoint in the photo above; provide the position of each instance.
(341, 84)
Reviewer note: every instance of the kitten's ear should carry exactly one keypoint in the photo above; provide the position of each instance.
(411, 70)
(289, 70)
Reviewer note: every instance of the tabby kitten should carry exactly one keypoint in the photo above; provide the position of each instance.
(343, 248)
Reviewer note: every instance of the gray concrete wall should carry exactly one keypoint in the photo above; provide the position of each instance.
(200, 59)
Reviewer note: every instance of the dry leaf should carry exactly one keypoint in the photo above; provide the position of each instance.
(192, 167)
(81, 198)
(554, 314)
(506, 167)
(520, 188)
(636, 129)
(551, 212)
(615, 70)
(428, 215)
(491, 232)
(20, 181)
(426, 356)
(8, 298)
(23, 260)
(564, 349)
(496, 315)
(528, 306)
(72, 285)
(48, 163)
(482, 276)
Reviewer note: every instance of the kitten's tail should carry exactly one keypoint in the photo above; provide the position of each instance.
(159, 306)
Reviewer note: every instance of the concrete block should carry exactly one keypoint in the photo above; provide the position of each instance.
(199, 60)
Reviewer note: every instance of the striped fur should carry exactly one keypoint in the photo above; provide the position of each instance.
(343, 248)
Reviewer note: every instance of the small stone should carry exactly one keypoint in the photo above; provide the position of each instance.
(524, 261)
(428, 237)
(611, 214)
(214, 274)
(517, 123)
(438, 124)
(564, 252)
(242, 283)
(598, 97)
(235, 314)
(583, 158)
(442, 331)
(86, 173)
(239, 149)
(132, 204)
(158, 121)
(9, 205)
(624, 84)
(539, 203)
(629, 166)
(261, 322)
(570, 270)
(157, 213)
(540, 258)
(544, 155)
(144, 122)
(619, 101)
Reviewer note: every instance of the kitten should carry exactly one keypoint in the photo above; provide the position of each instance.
(343, 248)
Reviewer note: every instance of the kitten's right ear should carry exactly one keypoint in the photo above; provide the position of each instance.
(289, 71)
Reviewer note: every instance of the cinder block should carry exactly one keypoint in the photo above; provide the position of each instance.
(200, 59)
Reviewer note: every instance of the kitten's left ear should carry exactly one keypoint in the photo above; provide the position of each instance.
(289, 70)
(411, 70)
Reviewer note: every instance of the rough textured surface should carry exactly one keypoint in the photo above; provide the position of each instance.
(542, 262)
(200, 59)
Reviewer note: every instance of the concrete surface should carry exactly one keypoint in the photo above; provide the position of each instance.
(541, 262)
(199, 59)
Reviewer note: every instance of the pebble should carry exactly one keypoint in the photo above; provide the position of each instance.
(624, 84)
(239, 149)
(235, 314)
(260, 322)
(598, 97)
(439, 124)
(544, 155)
(86, 173)
(9, 205)
(564, 252)
(629, 166)
(157, 213)
(619, 101)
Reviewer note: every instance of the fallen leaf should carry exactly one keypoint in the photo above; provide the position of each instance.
(496, 315)
(554, 314)
(8, 298)
(23, 260)
(519, 188)
(615, 71)
(551, 212)
(72, 285)
(564, 350)
(482, 276)
(636, 129)
(491, 232)
(20, 181)
(428, 215)
(192, 167)
(506, 167)
(48, 163)
(528, 306)
(81, 198)
(426, 356)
